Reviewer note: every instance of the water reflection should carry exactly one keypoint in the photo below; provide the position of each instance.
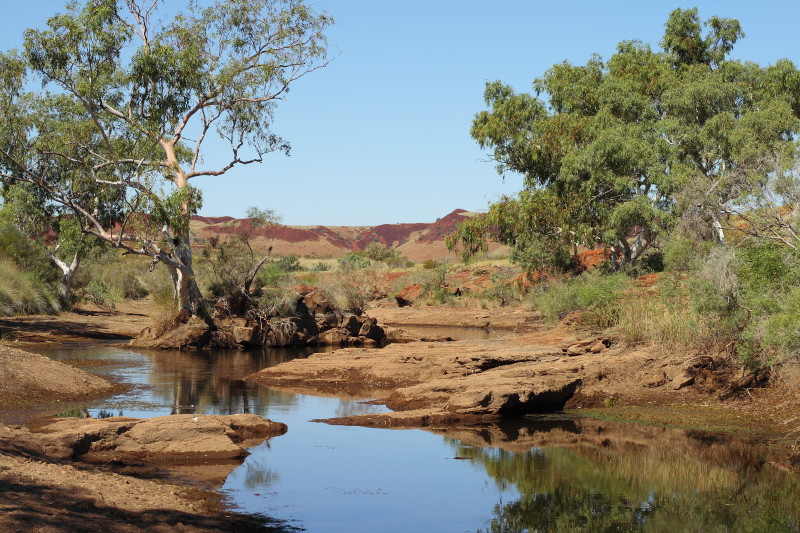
(555, 475)
(173, 382)
(585, 475)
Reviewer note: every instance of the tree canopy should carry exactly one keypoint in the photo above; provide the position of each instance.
(614, 153)
(128, 104)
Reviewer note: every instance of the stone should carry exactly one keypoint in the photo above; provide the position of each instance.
(576, 349)
(597, 347)
(683, 380)
(318, 303)
(352, 324)
(408, 295)
(175, 438)
(244, 335)
(334, 337)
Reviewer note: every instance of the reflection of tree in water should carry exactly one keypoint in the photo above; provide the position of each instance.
(679, 482)
(354, 408)
(211, 382)
(258, 475)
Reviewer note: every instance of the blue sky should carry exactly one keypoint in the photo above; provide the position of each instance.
(381, 135)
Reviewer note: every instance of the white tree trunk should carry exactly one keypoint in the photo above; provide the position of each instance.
(717, 225)
(67, 274)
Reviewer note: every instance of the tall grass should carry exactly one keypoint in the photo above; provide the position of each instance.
(22, 293)
(599, 296)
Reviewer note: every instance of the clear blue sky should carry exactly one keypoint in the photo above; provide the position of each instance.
(382, 134)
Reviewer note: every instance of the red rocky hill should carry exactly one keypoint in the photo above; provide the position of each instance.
(416, 241)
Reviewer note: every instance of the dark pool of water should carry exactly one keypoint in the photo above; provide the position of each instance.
(525, 475)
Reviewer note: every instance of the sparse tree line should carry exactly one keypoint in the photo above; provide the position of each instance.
(678, 159)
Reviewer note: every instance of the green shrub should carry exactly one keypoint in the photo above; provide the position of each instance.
(430, 264)
(320, 267)
(23, 293)
(597, 294)
(504, 291)
(353, 261)
(106, 276)
(287, 263)
(685, 255)
(102, 293)
(271, 275)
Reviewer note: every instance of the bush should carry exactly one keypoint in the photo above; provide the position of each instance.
(597, 294)
(287, 263)
(504, 291)
(353, 261)
(430, 264)
(23, 293)
(320, 267)
(103, 294)
(685, 255)
(385, 254)
(271, 275)
(106, 277)
(352, 292)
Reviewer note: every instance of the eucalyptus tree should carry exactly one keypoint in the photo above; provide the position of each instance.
(30, 214)
(613, 152)
(128, 105)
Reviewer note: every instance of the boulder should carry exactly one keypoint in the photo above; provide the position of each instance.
(597, 347)
(318, 303)
(246, 336)
(352, 324)
(409, 294)
(195, 334)
(371, 330)
(334, 337)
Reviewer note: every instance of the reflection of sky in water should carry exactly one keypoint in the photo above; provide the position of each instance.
(335, 478)
(317, 476)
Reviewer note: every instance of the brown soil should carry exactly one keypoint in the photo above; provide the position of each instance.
(86, 322)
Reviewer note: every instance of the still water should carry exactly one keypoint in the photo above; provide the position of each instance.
(525, 475)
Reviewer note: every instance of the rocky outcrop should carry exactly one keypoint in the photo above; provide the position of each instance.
(166, 439)
(409, 295)
(315, 321)
(482, 380)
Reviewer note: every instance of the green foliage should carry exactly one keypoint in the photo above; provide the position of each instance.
(272, 275)
(106, 277)
(287, 263)
(683, 254)
(504, 290)
(435, 289)
(103, 139)
(352, 292)
(353, 261)
(597, 295)
(27, 253)
(24, 293)
(102, 294)
(320, 267)
(614, 153)
(376, 251)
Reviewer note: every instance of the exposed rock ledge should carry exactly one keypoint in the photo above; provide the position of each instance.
(465, 381)
(182, 439)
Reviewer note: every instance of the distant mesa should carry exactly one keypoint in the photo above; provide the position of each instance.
(416, 241)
